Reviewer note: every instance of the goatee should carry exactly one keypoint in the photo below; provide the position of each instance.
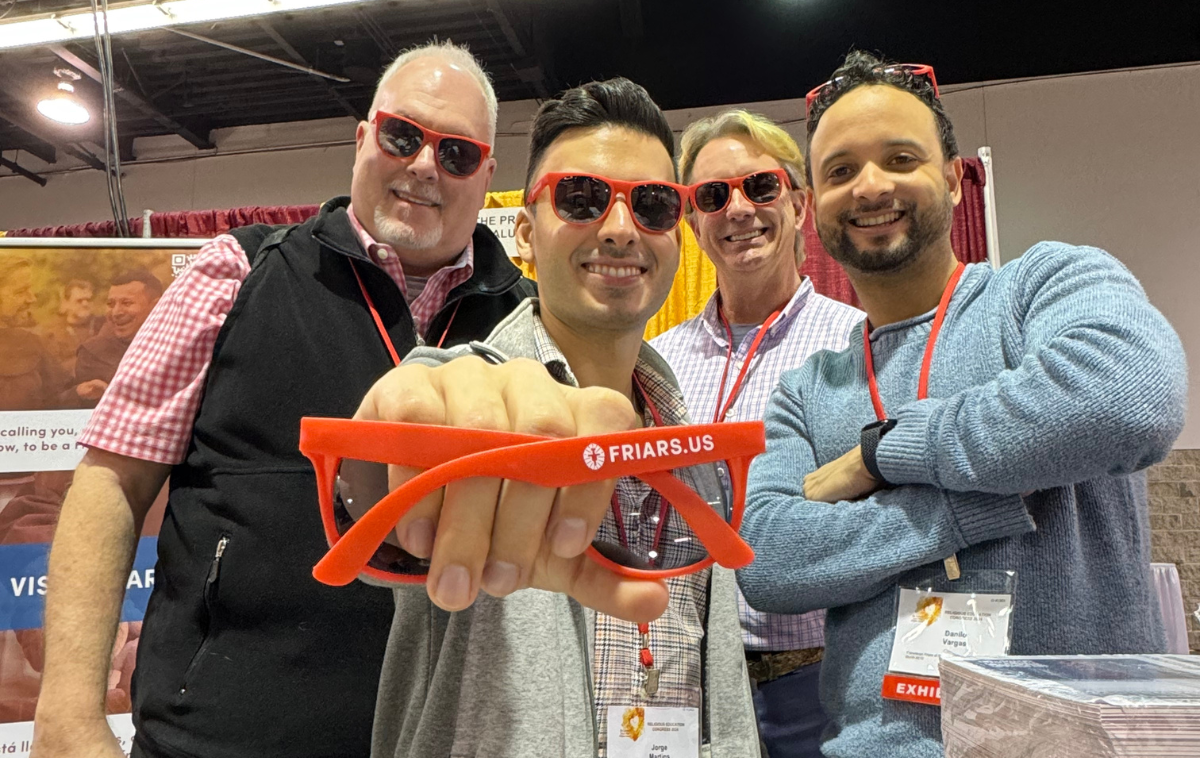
(924, 229)
(403, 236)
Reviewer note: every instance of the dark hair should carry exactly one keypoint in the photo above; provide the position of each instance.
(618, 101)
(76, 284)
(153, 286)
(859, 68)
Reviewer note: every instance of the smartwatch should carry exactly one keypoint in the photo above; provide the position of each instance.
(872, 433)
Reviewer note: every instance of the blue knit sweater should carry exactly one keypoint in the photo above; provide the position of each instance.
(1053, 376)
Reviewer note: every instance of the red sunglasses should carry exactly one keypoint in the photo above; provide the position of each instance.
(657, 207)
(693, 479)
(760, 188)
(400, 137)
(912, 69)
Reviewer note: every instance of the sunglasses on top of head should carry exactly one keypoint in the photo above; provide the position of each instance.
(401, 137)
(657, 207)
(760, 188)
(831, 87)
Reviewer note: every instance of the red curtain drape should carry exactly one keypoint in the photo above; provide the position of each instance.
(200, 224)
(968, 237)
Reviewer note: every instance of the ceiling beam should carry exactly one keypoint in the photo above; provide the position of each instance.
(34, 145)
(377, 33)
(295, 55)
(255, 54)
(26, 125)
(519, 48)
(22, 171)
(13, 83)
(201, 142)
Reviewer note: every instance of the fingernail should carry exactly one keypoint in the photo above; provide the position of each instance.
(418, 538)
(500, 578)
(569, 538)
(454, 587)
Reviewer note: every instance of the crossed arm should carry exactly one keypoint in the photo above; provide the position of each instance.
(813, 554)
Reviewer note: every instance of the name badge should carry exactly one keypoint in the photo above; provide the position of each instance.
(637, 731)
(966, 617)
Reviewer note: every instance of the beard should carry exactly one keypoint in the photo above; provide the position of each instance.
(402, 235)
(924, 228)
(22, 319)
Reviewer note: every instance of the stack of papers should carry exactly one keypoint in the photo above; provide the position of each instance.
(1066, 706)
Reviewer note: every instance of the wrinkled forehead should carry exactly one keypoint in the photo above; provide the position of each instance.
(437, 94)
(731, 156)
(870, 118)
(616, 152)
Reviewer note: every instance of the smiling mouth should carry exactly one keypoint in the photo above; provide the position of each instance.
(412, 199)
(753, 233)
(615, 272)
(866, 222)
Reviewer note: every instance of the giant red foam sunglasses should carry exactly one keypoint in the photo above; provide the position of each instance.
(657, 456)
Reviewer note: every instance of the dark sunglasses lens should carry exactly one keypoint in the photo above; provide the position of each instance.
(358, 487)
(398, 137)
(761, 188)
(581, 199)
(459, 157)
(712, 196)
(657, 207)
(648, 535)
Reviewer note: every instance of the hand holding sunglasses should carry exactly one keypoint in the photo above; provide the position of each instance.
(684, 518)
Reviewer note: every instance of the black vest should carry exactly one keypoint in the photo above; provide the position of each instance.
(242, 652)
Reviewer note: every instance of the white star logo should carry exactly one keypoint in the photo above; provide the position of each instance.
(593, 456)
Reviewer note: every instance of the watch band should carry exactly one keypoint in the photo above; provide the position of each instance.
(872, 433)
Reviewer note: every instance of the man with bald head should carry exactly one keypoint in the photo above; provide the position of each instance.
(240, 645)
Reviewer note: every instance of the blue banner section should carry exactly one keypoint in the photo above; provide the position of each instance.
(23, 583)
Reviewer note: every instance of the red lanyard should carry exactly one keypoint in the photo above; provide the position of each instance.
(616, 508)
(646, 657)
(923, 381)
(721, 411)
(379, 321)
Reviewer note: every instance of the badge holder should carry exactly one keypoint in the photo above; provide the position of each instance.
(638, 731)
(936, 617)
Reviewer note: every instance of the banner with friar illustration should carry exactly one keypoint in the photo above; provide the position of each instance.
(68, 311)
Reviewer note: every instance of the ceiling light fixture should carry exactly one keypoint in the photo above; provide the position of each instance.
(64, 107)
(140, 16)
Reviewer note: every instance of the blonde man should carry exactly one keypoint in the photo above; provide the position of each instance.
(749, 206)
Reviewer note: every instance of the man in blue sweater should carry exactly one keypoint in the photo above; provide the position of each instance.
(1052, 382)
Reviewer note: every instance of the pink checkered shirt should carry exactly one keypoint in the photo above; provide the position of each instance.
(149, 407)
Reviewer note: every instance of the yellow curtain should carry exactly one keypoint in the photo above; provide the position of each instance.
(695, 281)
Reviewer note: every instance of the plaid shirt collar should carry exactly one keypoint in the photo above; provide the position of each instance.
(662, 391)
(712, 319)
